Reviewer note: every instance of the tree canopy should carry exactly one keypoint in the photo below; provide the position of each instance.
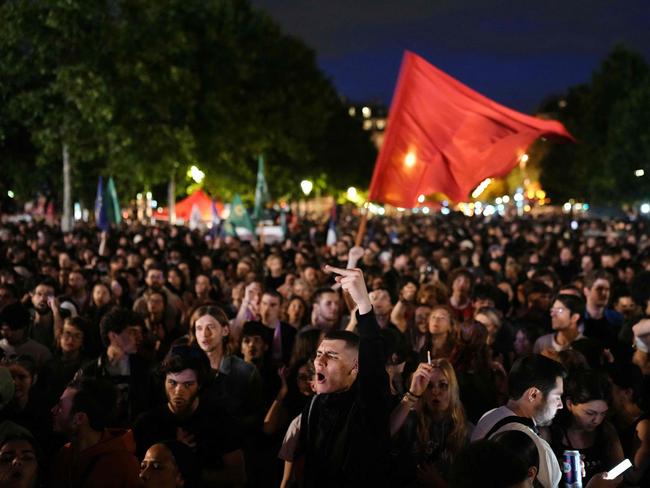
(143, 89)
(609, 117)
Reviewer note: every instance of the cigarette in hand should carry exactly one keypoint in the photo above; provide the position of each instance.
(429, 357)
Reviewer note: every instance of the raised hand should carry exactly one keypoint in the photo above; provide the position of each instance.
(420, 379)
(352, 281)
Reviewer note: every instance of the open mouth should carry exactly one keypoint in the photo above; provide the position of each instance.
(320, 378)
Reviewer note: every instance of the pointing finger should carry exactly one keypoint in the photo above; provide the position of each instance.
(340, 271)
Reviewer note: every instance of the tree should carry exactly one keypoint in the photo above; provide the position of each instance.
(591, 170)
(145, 89)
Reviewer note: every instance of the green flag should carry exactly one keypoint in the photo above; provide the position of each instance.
(112, 204)
(238, 216)
(261, 190)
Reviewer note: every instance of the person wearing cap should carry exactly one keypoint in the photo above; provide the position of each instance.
(14, 322)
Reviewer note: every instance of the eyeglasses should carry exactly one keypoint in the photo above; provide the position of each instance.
(557, 310)
(70, 335)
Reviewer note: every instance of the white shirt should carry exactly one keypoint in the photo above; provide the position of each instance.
(549, 474)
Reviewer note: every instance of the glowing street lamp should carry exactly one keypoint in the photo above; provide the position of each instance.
(306, 186)
(196, 174)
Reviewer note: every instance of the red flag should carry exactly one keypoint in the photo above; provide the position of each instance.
(444, 137)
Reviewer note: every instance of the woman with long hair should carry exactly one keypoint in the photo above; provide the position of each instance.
(428, 426)
(582, 426)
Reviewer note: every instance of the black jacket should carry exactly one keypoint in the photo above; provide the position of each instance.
(344, 437)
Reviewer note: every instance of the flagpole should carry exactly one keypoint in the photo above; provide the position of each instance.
(361, 231)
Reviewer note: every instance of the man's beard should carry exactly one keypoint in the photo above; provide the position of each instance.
(545, 416)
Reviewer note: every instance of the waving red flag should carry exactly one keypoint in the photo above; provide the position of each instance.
(444, 137)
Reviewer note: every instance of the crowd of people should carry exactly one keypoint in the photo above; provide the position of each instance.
(446, 352)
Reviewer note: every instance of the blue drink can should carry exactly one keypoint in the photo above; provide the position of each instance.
(572, 469)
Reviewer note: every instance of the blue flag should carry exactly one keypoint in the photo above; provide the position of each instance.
(101, 216)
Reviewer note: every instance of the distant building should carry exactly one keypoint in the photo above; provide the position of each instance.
(373, 118)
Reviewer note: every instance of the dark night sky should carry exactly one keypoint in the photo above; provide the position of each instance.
(516, 52)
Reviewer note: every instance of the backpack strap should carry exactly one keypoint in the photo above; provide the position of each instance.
(512, 419)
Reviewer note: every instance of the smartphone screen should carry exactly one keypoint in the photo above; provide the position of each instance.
(618, 469)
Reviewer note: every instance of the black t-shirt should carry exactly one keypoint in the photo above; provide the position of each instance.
(215, 432)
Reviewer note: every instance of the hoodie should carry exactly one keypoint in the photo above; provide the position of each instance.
(111, 463)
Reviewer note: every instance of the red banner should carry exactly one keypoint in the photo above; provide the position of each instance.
(444, 137)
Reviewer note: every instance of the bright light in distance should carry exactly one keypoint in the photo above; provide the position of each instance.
(10, 194)
(154, 203)
(505, 198)
(574, 225)
(400, 209)
(526, 208)
(444, 210)
(524, 158)
(481, 187)
(139, 196)
(645, 208)
(196, 174)
(518, 197)
(498, 200)
(566, 207)
(425, 210)
(639, 172)
(421, 199)
(489, 210)
(415, 210)
(381, 211)
(352, 193)
(409, 159)
(306, 186)
(366, 112)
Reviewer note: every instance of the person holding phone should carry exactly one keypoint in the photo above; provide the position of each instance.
(582, 425)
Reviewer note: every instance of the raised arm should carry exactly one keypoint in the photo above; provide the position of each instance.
(372, 376)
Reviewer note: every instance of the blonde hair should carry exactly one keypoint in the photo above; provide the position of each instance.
(457, 438)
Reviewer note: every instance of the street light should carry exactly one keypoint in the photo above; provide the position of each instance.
(307, 186)
(196, 174)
